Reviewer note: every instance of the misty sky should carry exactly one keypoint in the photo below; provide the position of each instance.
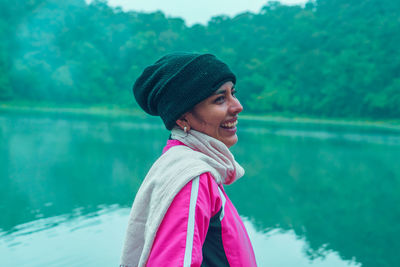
(196, 11)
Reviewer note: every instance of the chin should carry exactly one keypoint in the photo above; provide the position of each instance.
(230, 143)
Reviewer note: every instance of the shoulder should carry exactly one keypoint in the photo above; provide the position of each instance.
(204, 184)
(205, 189)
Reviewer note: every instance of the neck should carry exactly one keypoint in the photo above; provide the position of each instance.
(213, 148)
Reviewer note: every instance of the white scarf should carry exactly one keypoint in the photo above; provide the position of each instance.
(168, 175)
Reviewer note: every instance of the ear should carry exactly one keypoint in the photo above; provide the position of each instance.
(182, 122)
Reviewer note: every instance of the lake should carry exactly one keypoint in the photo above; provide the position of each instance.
(313, 195)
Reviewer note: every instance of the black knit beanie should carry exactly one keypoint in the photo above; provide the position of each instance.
(177, 82)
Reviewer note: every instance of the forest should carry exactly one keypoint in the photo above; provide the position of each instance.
(328, 58)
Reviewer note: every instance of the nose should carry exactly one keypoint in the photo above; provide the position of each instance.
(235, 107)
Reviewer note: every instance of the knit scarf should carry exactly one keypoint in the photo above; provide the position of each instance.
(168, 175)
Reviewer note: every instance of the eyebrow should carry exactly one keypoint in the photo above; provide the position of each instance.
(219, 91)
(223, 91)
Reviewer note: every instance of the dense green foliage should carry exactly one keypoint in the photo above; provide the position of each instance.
(333, 58)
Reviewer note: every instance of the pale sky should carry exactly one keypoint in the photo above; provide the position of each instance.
(196, 11)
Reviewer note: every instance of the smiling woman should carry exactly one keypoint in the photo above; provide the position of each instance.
(215, 116)
(181, 215)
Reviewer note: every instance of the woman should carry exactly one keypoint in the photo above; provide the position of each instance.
(181, 215)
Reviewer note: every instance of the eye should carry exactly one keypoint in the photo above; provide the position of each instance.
(219, 99)
(233, 92)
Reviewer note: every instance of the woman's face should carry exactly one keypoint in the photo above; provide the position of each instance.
(216, 116)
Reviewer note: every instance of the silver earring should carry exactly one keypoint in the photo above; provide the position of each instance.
(185, 129)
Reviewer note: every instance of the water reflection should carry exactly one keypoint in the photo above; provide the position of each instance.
(95, 239)
(51, 166)
(280, 248)
(327, 196)
(336, 193)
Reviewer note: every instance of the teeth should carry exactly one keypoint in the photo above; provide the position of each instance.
(229, 124)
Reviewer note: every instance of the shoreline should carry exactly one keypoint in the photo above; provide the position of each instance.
(126, 112)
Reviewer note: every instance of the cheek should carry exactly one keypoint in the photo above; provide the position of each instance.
(211, 118)
(208, 119)
(210, 126)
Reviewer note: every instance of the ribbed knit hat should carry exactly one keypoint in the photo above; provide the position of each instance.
(177, 82)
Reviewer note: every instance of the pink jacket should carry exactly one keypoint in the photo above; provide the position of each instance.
(201, 228)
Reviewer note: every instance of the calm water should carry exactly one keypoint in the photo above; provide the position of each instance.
(311, 196)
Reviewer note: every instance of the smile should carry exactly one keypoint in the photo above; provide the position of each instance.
(229, 124)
